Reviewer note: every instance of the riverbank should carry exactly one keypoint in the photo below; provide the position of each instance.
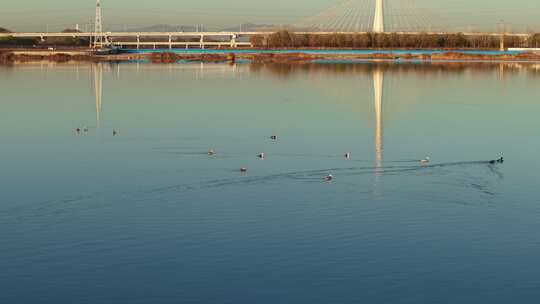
(262, 55)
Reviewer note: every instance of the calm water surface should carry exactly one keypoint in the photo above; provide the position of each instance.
(148, 217)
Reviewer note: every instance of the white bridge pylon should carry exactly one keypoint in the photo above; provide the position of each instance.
(378, 23)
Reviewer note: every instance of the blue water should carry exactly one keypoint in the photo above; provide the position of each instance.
(315, 52)
(147, 216)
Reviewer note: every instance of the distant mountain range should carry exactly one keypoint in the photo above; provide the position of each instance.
(251, 27)
(162, 28)
(246, 27)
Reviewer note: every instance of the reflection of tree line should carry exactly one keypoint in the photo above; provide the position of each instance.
(427, 68)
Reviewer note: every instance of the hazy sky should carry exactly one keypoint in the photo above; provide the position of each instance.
(24, 15)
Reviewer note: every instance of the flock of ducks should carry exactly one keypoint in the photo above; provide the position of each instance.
(262, 155)
(328, 178)
(78, 131)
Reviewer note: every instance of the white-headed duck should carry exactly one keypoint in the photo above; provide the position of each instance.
(425, 161)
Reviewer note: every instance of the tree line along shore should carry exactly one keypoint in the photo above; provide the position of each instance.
(288, 39)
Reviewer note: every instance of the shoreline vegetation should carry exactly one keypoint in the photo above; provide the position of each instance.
(288, 39)
(69, 49)
(22, 56)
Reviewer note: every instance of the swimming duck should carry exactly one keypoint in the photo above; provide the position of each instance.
(425, 161)
(348, 155)
(114, 132)
(497, 161)
(78, 130)
(211, 152)
(329, 178)
(273, 137)
(243, 169)
(261, 156)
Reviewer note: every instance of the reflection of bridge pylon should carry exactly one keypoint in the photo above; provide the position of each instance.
(378, 84)
(97, 70)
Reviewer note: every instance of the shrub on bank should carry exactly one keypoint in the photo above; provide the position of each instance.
(535, 40)
(11, 41)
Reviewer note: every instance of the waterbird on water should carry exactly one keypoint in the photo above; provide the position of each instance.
(425, 161)
(329, 178)
(348, 155)
(273, 137)
(261, 156)
(114, 132)
(243, 169)
(211, 152)
(497, 161)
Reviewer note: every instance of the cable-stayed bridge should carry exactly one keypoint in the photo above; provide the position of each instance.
(347, 16)
(375, 16)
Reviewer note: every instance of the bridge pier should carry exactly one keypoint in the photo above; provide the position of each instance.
(233, 41)
(138, 41)
(170, 42)
(201, 42)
